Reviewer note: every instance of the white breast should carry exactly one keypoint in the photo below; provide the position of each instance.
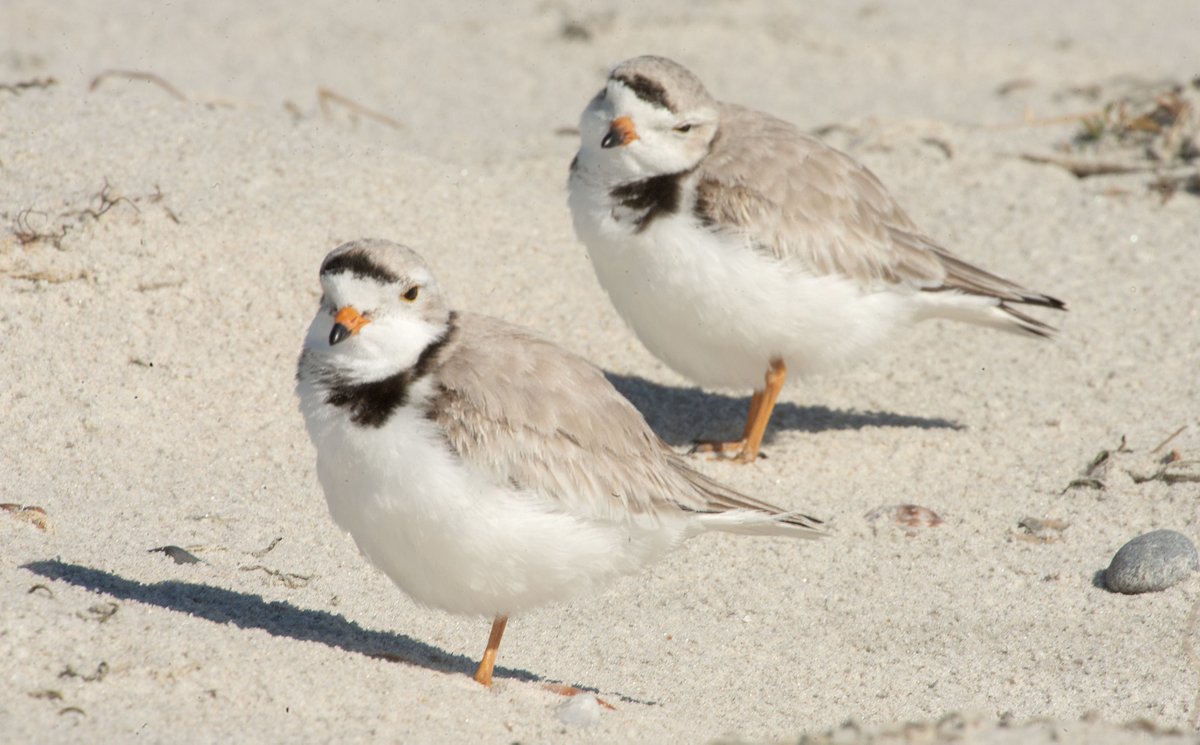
(447, 534)
(718, 311)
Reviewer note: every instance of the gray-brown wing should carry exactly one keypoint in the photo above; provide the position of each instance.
(792, 195)
(533, 415)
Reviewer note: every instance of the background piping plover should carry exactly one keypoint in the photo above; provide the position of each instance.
(484, 470)
(734, 244)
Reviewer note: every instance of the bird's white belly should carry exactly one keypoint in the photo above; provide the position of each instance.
(450, 537)
(718, 312)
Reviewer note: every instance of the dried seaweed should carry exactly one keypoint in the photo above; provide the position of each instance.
(1153, 128)
(1170, 467)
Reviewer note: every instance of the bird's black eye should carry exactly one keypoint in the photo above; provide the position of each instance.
(411, 293)
(684, 128)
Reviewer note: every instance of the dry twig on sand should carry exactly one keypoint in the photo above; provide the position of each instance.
(326, 97)
(148, 77)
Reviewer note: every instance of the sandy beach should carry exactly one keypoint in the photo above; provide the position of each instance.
(171, 177)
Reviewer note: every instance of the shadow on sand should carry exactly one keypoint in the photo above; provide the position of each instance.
(274, 617)
(683, 415)
(283, 619)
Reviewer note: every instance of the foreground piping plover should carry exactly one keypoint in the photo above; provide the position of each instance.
(734, 244)
(484, 470)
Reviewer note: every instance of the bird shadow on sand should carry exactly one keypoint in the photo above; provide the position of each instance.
(277, 618)
(683, 415)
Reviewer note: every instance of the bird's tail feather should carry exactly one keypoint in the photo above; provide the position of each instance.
(753, 522)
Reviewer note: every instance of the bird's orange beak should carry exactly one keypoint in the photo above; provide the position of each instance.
(346, 323)
(620, 132)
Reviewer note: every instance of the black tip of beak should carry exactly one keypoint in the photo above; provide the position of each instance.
(338, 334)
(612, 138)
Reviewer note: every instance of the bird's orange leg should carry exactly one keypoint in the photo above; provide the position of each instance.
(725, 447)
(762, 403)
(756, 424)
(484, 674)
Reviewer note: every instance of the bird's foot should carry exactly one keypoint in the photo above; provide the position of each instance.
(483, 678)
(734, 451)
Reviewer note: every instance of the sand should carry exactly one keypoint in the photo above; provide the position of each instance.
(160, 233)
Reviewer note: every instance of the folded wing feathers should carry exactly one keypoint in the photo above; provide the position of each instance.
(577, 442)
(833, 214)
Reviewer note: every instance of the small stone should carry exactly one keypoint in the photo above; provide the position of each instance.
(1152, 562)
(580, 710)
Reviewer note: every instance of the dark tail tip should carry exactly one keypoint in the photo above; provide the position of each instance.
(1031, 325)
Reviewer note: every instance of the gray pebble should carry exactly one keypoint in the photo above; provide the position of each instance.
(1151, 562)
(580, 710)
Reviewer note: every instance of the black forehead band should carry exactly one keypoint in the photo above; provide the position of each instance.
(647, 90)
(360, 265)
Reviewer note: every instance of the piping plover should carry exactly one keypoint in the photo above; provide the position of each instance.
(733, 244)
(484, 470)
